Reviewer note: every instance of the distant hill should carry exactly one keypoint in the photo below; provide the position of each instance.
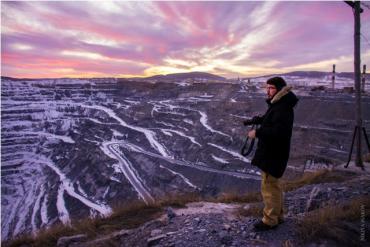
(190, 75)
(169, 77)
(313, 74)
(209, 76)
(16, 79)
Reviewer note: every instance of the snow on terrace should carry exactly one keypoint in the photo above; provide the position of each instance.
(42, 201)
(67, 185)
(204, 121)
(56, 82)
(150, 135)
(192, 139)
(21, 202)
(60, 202)
(135, 148)
(219, 159)
(187, 181)
(36, 208)
(188, 121)
(168, 108)
(63, 213)
(27, 201)
(203, 116)
(66, 139)
(125, 167)
(233, 153)
(44, 211)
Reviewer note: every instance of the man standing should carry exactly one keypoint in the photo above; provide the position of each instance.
(273, 148)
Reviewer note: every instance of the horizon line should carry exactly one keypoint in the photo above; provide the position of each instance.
(146, 77)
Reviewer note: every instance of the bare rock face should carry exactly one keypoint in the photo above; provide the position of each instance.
(170, 213)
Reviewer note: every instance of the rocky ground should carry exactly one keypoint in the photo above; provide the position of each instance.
(220, 224)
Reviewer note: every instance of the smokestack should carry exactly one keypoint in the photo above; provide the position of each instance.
(333, 77)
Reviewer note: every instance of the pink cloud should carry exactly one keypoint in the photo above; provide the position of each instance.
(311, 32)
(148, 33)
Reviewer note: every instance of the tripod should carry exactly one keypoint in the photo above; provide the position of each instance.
(353, 141)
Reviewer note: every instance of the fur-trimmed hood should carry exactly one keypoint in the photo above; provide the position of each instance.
(284, 95)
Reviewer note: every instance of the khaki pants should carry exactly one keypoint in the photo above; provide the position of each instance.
(272, 195)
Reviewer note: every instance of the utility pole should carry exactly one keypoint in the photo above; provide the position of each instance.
(358, 82)
(357, 69)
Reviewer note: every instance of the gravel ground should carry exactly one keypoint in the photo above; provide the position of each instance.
(219, 224)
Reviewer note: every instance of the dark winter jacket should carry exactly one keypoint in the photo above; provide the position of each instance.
(275, 133)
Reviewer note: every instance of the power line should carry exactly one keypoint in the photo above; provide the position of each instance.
(352, 4)
(365, 39)
(365, 5)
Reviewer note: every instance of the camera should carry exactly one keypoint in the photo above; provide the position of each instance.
(248, 122)
(251, 121)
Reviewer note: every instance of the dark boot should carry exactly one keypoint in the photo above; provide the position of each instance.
(260, 226)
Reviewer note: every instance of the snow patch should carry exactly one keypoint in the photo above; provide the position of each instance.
(220, 159)
(233, 153)
(204, 121)
(187, 181)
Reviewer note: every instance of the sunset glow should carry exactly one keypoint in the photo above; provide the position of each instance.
(129, 39)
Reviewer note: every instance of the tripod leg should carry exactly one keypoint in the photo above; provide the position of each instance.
(350, 152)
(366, 139)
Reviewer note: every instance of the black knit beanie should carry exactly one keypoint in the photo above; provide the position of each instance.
(278, 82)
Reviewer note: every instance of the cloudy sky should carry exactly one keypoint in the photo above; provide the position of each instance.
(125, 39)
